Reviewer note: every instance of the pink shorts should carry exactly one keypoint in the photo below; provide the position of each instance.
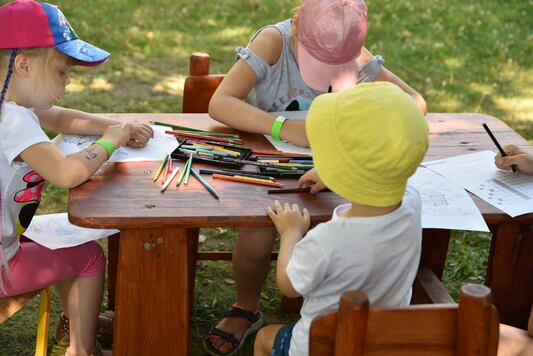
(35, 267)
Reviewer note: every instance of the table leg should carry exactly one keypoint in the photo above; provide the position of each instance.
(510, 272)
(152, 303)
(112, 263)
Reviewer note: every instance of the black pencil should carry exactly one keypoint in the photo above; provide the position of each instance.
(502, 152)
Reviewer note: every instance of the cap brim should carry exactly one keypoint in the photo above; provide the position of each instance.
(85, 53)
(320, 76)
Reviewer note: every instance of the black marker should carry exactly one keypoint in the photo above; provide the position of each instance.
(502, 152)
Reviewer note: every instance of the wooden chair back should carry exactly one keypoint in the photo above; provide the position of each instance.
(9, 306)
(199, 85)
(469, 328)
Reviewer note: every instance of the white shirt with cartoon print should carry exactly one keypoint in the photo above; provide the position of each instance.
(20, 185)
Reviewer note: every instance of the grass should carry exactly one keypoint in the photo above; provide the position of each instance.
(462, 55)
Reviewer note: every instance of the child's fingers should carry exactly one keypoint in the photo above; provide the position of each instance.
(277, 207)
(296, 208)
(286, 207)
(306, 215)
(271, 214)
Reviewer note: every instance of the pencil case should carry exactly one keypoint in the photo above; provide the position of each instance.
(243, 153)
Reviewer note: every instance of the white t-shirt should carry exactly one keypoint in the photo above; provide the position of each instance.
(20, 185)
(377, 255)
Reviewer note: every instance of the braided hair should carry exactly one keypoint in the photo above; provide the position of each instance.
(4, 267)
(8, 76)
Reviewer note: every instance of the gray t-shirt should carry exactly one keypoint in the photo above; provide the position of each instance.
(280, 86)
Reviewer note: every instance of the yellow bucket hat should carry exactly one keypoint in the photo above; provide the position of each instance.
(367, 141)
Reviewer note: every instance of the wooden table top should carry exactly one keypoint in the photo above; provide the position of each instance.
(123, 195)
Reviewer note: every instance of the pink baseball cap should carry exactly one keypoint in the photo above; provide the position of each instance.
(330, 36)
(29, 24)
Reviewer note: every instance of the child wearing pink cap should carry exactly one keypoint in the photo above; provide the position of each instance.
(37, 48)
(283, 68)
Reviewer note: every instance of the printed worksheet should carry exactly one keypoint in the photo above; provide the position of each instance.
(156, 149)
(508, 191)
(445, 205)
(285, 146)
(55, 231)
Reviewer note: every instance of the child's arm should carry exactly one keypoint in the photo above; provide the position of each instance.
(228, 106)
(75, 122)
(386, 75)
(292, 226)
(74, 169)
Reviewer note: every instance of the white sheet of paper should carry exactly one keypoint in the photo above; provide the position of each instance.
(285, 146)
(156, 149)
(55, 231)
(476, 172)
(445, 205)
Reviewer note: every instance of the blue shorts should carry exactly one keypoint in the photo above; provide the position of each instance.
(282, 341)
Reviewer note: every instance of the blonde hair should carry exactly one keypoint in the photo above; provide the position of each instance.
(48, 54)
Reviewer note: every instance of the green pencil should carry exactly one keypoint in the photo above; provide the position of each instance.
(161, 166)
(189, 162)
(205, 184)
(182, 174)
(178, 127)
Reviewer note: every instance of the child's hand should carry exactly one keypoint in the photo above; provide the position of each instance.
(311, 179)
(288, 219)
(117, 134)
(523, 160)
(140, 134)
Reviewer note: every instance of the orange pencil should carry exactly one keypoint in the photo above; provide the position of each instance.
(242, 179)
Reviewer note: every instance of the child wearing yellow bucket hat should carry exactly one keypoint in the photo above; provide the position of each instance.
(366, 141)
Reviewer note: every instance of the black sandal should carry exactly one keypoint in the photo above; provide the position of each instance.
(255, 321)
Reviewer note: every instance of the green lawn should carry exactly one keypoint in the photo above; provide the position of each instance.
(462, 55)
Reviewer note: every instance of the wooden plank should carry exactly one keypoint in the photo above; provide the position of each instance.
(152, 310)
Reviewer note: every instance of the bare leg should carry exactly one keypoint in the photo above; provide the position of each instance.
(251, 264)
(81, 298)
(264, 341)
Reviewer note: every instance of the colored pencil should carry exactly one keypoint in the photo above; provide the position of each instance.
(214, 171)
(293, 190)
(244, 161)
(205, 184)
(170, 178)
(178, 127)
(189, 164)
(277, 153)
(242, 179)
(204, 137)
(182, 174)
(502, 152)
(160, 169)
(209, 133)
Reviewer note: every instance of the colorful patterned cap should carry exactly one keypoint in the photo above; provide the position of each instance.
(29, 24)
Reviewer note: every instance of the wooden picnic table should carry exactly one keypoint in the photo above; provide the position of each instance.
(158, 239)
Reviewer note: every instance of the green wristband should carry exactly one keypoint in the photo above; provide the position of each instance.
(276, 128)
(109, 147)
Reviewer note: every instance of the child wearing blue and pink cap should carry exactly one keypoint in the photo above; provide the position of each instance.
(37, 48)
